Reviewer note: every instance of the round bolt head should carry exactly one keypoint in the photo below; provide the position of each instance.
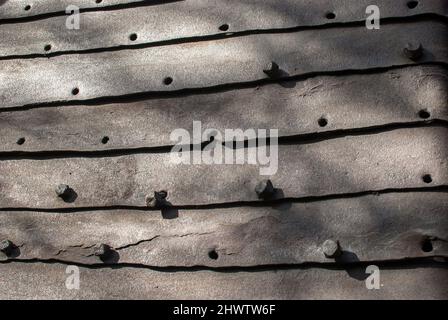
(272, 69)
(5, 245)
(158, 200)
(265, 189)
(271, 66)
(160, 195)
(331, 248)
(413, 51)
(62, 190)
(101, 250)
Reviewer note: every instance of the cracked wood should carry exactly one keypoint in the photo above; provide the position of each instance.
(214, 63)
(375, 227)
(286, 14)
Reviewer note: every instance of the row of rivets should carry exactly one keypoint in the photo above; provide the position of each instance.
(103, 251)
(331, 249)
(412, 51)
(264, 189)
(158, 200)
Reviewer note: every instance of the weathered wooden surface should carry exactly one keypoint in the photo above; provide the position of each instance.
(19, 9)
(48, 281)
(259, 14)
(94, 108)
(394, 159)
(213, 63)
(375, 227)
(397, 96)
(180, 19)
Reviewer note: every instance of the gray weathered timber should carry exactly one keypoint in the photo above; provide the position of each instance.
(346, 102)
(10, 9)
(180, 19)
(212, 63)
(47, 281)
(394, 159)
(375, 227)
(258, 14)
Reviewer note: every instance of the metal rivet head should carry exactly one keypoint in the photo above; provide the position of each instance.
(413, 51)
(331, 248)
(158, 200)
(265, 189)
(272, 69)
(66, 193)
(6, 246)
(62, 190)
(102, 251)
(161, 195)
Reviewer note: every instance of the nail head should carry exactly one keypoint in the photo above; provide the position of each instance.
(102, 250)
(62, 190)
(331, 248)
(265, 189)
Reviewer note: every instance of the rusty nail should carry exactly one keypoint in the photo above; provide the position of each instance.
(6, 246)
(265, 189)
(413, 51)
(331, 248)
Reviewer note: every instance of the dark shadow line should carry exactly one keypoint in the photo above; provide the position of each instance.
(147, 95)
(227, 35)
(299, 139)
(236, 204)
(391, 264)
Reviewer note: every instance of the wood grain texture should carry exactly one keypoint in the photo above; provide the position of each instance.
(276, 14)
(394, 159)
(47, 281)
(214, 63)
(369, 228)
(179, 20)
(294, 108)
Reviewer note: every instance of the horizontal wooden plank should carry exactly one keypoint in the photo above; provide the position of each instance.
(213, 63)
(181, 19)
(262, 12)
(398, 96)
(394, 159)
(48, 281)
(375, 227)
